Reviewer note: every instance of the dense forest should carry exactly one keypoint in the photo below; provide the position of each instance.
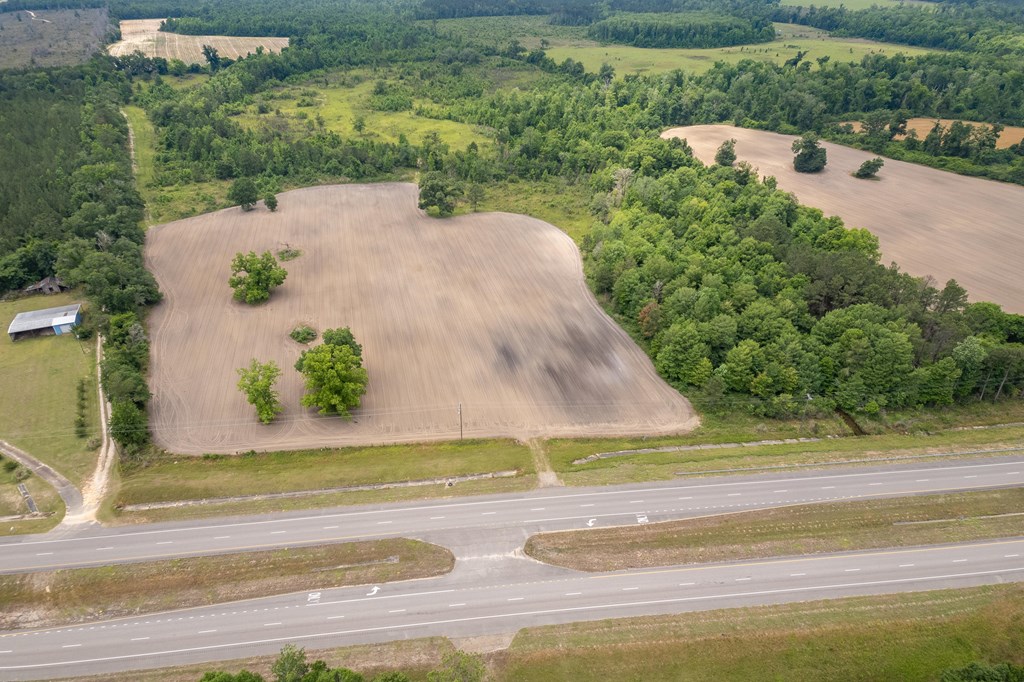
(681, 30)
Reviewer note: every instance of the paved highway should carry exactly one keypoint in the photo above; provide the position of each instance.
(481, 524)
(494, 588)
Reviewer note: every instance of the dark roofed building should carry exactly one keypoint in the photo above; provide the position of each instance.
(47, 285)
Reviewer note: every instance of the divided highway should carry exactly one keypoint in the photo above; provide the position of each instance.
(493, 588)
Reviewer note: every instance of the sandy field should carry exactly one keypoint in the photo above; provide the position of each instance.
(1009, 136)
(145, 35)
(490, 310)
(931, 222)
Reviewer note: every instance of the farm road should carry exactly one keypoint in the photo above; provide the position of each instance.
(931, 222)
(487, 310)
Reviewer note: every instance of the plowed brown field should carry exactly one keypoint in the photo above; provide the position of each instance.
(931, 222)
(145, 35)
(490, 310)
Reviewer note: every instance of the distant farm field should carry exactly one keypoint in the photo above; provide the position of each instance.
(51, 37)
(931, 222)
(487, 310)
(570, 42)
(1009, 136)
(145, 35)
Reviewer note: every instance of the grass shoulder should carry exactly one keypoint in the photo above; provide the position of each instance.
(789, 531)
(53, 598)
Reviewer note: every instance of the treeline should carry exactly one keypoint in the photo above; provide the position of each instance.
(693, 30)
(953, 28)
(70, 208)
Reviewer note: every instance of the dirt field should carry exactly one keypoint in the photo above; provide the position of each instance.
(145, 35)
(51, 37)
(929, 221)
(490, 310)
(1010, 135)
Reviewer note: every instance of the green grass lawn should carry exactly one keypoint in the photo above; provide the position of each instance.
(185, 478)
(792, 39)
(38, 383)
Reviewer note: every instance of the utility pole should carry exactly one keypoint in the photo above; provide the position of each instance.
(460, 421)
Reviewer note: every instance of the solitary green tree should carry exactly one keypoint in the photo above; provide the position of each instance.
(257, 383)
(475, 194)
(726, 154)
(439, 191)
(270, 201)
(290, 665)
(244, 193)
(810, 155)
(335, 379)
(869, 168)
(254, 277)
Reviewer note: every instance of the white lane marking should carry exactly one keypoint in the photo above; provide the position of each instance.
(70, 646)
(166, 542)
(734, 494)
(796, 575)
(516, 598)
(7, 651)
(906, 565)
(452, 606)
(851, 570)
(959, 561)
(588, 505)
(488, 513)
(435, 518)
(334, 617)
(827, 487)
(537, 509)
(384, 596)
(636, 501)
(397, 611)
(970, 476)
(267, 625)
(139, 639)
(100, 549)
(686, 584)
(381, 523)
(277, 532)
(206, 632)
(629, 589)
(780, 491)
(874, 484)
(329, 527)
(573, 594)
(44, 553)
(222, 537)
(739, 580)
(1010, 556)
(685, 498)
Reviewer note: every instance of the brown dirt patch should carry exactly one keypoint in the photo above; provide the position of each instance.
(487, 310)
(145, 35)
(931, 222)
(1010, 135)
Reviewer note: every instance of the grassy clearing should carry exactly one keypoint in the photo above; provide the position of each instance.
(792, 38)
(342, 98)
(185, 478)
(12, 504)
(60, 597)
(564, 205)
(38, 384)
(908, 637)
(789, 531)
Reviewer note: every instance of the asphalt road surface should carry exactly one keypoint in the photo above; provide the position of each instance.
(493, 587)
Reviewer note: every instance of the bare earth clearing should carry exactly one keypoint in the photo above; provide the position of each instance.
(490, 310)
(51, 37)
(145, 35)
(931, 222)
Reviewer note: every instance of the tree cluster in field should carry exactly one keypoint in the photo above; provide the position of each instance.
(124, 367)
(254, 277)
(984, 672)
(689, 30)
(292, 665)
(333, 372)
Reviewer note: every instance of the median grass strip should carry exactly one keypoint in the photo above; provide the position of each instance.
(74, 595)
(803, 529)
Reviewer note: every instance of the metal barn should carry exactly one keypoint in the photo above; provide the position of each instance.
(57, 321)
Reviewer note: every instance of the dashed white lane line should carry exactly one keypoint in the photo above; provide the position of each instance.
(100, 549)
(921, 480)
(397, 611)
(516, 598)
(796, 575)
(166, 542)
(1010, 556)
(906, 565)
(970, 476)
(629, 589)
(7, 651)
(222, 537)
(573, 594)
(70, 646)
(874, 484)
(959, 561)
(636, 501)
(267, 625)
(850, 570)
(436, 518)
(277, 532)
(685, 498)
(538, 509)
(588, 505)
(452, 606)
(734, 494)
(382, 523)
(780, 491)
(828, 487)
(44, 554)
(206, 632)
(139, 639)
(334, 617)
(330, 527)
(491, 513)
(739, 580)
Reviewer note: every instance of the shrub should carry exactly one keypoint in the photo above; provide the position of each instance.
(303, 334)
